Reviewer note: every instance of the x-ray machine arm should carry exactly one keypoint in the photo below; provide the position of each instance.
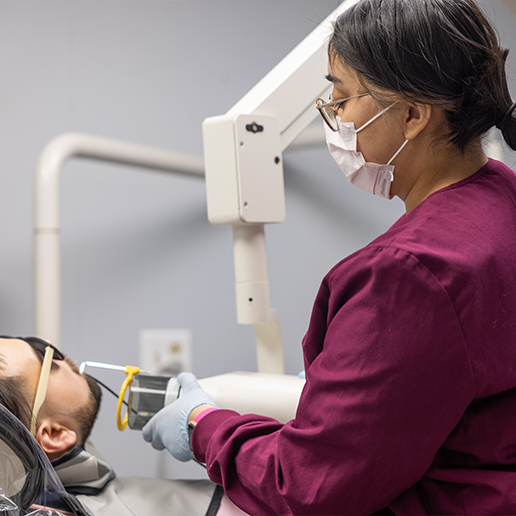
(244, 174)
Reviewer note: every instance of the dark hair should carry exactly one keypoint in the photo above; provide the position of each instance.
(440, 52)
(86, 416)
(12, 397)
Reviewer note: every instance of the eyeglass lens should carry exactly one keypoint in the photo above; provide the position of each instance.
(41, 345)
(328, 113)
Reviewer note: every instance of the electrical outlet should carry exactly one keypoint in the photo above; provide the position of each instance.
(167, 352)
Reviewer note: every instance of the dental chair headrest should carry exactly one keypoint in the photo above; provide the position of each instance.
(21, 477)
(26, 474)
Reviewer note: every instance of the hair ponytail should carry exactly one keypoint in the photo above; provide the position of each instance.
(507, 126)
(498, 94)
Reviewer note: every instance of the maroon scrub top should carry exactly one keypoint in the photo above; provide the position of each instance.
(410, 401)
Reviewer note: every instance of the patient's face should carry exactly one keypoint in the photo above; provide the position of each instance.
(67, 388)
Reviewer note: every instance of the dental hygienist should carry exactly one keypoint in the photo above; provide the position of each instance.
(409, 405)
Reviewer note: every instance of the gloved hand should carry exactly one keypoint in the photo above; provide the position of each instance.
(168, 428)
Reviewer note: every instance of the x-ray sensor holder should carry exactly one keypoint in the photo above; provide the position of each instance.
(273, 395)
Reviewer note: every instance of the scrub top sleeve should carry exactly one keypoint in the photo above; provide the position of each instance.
(388, 378)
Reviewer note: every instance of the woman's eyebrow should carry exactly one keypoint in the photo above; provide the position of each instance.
(333, 79)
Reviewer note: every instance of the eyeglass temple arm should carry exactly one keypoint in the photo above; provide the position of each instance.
(41, 391)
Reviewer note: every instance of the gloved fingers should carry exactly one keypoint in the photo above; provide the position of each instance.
(147, 431)
(157, 444)
(151, 436)
(188, 382)
(190, 386)
(168, 428)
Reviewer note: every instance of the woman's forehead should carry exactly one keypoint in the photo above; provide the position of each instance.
(341, 75)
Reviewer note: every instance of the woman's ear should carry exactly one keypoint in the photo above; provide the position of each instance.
(416, 118)
(55, 438)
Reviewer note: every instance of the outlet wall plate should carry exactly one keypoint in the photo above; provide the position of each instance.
(166, 351)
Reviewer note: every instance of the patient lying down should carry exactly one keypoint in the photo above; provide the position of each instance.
(62, 428)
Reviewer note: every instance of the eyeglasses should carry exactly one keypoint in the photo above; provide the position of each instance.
(49, 353)
(329, 110)
(38, 344)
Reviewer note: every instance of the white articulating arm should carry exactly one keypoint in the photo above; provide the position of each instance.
(244, 173)
(289, 90)
(47, 276)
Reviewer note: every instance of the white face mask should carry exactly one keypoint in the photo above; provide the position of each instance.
(371, 177)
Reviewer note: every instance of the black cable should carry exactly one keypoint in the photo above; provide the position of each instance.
(112, 392)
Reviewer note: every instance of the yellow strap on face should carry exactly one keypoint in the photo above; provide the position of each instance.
(130, 371)
(41, 391)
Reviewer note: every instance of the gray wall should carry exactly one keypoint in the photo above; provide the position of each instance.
(138, 252)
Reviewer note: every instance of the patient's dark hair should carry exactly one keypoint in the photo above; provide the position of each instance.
(86, 416)
(440, 52)
(13, 399)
